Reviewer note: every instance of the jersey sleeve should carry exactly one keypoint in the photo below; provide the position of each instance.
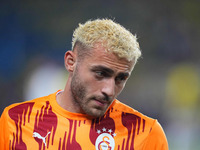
(4, 131)
(157, 139)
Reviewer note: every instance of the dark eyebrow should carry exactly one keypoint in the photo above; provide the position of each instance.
(109, 71)
(103, 68)
(125, 74)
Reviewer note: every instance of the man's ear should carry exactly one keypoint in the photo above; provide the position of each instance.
(70, 60)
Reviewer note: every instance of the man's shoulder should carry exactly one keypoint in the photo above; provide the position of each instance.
(126, 110)
(29, 103)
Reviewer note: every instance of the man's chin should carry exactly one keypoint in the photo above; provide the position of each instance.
(96, 113)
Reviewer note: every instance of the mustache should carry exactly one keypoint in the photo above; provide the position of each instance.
(102, 98)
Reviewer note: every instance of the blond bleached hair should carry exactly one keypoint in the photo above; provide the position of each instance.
(114, 37)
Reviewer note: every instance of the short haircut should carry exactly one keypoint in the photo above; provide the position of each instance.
(114, 37)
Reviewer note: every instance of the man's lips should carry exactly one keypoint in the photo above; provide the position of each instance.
(101, 102)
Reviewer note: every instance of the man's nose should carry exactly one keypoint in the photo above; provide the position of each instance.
(109, 87)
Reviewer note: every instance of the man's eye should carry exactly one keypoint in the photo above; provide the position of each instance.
(100, 74)
(121, 78)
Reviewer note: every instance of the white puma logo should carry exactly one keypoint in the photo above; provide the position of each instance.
(35, 134)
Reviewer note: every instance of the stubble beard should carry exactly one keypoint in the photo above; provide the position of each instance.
(80, 99)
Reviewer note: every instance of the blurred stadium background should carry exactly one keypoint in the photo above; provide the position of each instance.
(165, 84)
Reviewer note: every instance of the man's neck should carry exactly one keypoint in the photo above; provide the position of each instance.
(65, 100)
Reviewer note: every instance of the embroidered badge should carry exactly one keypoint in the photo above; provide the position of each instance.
(105, 140)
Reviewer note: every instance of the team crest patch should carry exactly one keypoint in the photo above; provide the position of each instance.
(105, 140)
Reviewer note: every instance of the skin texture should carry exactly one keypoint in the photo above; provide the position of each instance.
(94, 81)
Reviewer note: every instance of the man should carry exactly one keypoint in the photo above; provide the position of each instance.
(86, 115)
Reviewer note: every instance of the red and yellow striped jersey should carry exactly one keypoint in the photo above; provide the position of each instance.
(41, 124)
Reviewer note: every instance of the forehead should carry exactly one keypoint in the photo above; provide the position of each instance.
(99, 56)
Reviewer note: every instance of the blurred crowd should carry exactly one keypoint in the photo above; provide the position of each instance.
(165, 83)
